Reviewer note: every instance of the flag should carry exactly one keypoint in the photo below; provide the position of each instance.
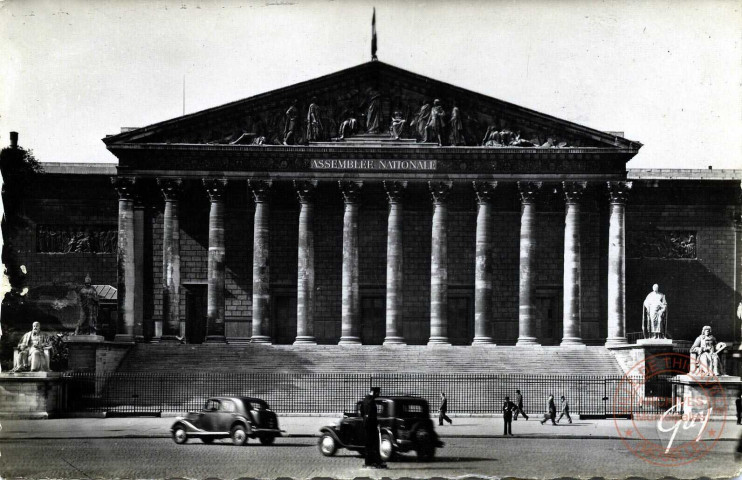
(373, 36)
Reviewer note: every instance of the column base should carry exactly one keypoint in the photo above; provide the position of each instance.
(350, 340)
(527, 342)
(169, 339)
(123, 337)
(439, 341)
(395, 340)
(616, 342)
(572, 342)
(215, 339)
(482, 341)
(305, 340)
(260, 339)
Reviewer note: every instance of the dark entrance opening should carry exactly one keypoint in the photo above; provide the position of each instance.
(284, 318)
(548, 303)
(460, 318)
(195, 313)
(373, 319)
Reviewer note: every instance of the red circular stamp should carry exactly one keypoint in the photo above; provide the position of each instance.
(667, 416)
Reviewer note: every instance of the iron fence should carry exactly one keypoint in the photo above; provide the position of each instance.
(152, 393)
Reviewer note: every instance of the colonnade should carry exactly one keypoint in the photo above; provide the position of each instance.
(350, 313)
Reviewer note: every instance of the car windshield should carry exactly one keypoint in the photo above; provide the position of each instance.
(412, 409)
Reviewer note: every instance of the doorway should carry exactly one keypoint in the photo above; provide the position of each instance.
(284, 318)
(373, 320)
(196, 312)
(460, 319)
(548, 303)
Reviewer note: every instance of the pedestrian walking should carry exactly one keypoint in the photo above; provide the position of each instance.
(565, 410)
(442, 411)
(519, 402)
(508, 408)
(371, 430)
(551, 414)
(738, 405)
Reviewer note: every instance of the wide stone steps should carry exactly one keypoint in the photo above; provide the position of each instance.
(367, 359)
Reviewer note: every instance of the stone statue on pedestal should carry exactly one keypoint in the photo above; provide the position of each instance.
(30, 355)
(704, 354)
(654, 314)
(89, 309)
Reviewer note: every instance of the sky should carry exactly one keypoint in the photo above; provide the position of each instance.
(667, 73)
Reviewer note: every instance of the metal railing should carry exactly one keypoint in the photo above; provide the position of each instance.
(151, 393)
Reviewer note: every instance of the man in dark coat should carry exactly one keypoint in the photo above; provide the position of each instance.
(507, 416)
(442, 411)
(551, 415)
(519, 402)
(371, 430)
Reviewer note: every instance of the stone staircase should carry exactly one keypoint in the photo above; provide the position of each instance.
(369, 359)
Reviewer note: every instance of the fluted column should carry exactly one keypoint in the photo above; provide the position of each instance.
(527, 323)
(305, 270)
(261, 297)
(216, 188)
(439, 265)
(572, 320)
(483, 265)
(350, 321)
(394, 263)
(171, 188)
(140, 331)
(619, 192)
(126, 277)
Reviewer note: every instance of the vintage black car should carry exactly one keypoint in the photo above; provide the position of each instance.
(404, 422)
(238, 418)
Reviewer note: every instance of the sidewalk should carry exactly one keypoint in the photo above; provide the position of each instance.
(308, 426)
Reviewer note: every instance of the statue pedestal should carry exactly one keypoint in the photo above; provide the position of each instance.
(633, 357)
(30, 395)
(82, 352)
(697, 393)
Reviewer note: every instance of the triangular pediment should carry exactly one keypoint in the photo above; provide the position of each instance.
(368, 98)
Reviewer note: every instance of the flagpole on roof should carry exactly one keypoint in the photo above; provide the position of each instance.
(373, 36)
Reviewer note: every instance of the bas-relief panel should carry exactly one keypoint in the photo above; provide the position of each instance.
(76, 239)
(663, 244)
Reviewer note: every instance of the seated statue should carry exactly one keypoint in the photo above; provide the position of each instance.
(397, 127)
(704, 354)
(31, 355)
(348, 127)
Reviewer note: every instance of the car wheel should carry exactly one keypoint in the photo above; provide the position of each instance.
(386, 449)
(267, 439)
(179, 435)
(238, 435)
(207, 440)
(327, 445)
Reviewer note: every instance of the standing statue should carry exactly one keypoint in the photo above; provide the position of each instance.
(373, 113)
(314, 122)
(436, 123)
(457, 127)
(31, 356)
(654, 314)
(89, 309)
(421, 120)
(290, 131)
(704, 354)
(397, 127)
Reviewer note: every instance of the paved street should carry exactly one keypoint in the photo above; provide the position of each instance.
(299, 458)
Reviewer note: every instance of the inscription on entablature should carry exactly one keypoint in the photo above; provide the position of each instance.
(663, 244)
(394, 165)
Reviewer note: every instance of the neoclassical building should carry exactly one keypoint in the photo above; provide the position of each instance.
(378, 206)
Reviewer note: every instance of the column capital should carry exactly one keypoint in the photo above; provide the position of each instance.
(305, 190)
(351, 190)
(484, 191)
(125, 186)
(440, 190)
(260, 189)
(395, 190)
(529, 191)
(619, 191)
(215, 187)
(170, 187)
(574, 191)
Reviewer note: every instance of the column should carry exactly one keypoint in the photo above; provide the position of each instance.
(572, 285)
(527, 334)
(350, 321)
(439, 265)
(261, 296)
(305, 270)
(216, 188)
(618, 192)
(394, 263)
(140, 330)
(171, 188)
(125, 259)
(738, 274)
(483, 265)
